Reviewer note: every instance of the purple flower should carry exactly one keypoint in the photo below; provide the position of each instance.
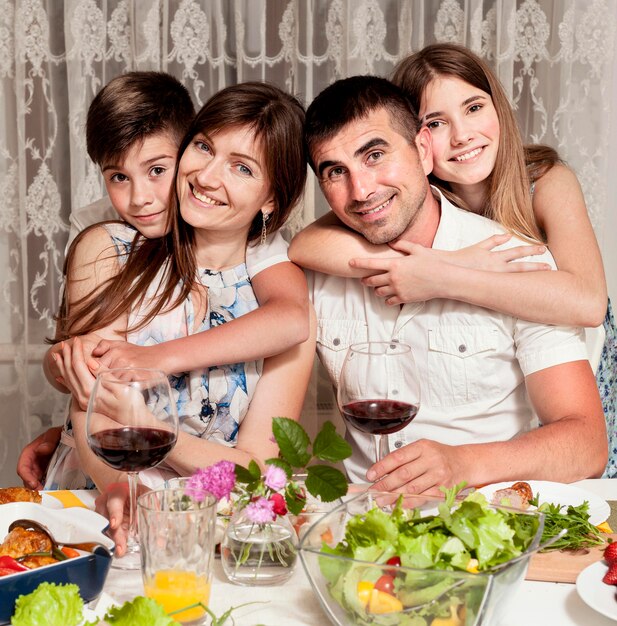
(260, 511)
(275, 477)
(218, 479)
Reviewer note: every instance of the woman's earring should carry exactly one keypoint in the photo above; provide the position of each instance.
(264, 230)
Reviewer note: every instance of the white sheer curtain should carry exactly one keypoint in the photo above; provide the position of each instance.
(556, 59)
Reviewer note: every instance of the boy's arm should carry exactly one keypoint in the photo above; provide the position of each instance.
(280, 322)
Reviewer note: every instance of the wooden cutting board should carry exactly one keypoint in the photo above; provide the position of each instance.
(564, 567)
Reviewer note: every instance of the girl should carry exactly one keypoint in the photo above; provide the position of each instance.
(228, 186)
(479, 162)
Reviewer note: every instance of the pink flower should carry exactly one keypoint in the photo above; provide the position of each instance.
(218, 479)
(275, 478)
(260, 511)
(279, 506)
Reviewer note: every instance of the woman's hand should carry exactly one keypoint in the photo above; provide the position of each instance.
(74, 363)
(113, 503)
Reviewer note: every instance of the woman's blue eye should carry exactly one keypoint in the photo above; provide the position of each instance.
(245, 170)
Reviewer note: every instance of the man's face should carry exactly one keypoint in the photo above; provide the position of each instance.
(140, 185)
(373, 179)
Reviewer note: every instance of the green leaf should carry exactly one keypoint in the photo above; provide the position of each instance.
(243, 475)
(254, 470)
(329, 445)
(49, 604)
(292, 440)
(282, 464)
(295, 497)
(326, 483)
(140, 611)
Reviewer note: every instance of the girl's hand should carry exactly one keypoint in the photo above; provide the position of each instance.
(419, 275)
(483, 256)
(113, 354)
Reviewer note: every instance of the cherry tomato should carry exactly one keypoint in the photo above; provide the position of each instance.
(385, 583)
(396, 562)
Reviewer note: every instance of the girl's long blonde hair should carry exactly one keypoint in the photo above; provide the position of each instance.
(516, 166)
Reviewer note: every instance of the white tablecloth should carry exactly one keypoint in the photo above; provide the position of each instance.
(293, 604)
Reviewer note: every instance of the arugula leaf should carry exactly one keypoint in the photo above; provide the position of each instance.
(581, 532)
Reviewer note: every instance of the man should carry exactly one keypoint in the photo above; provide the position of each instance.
(477, 368)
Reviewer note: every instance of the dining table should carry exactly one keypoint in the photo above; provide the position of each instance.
(294, 603)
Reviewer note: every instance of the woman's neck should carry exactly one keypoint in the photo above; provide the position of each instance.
(474, 195)
(219, 251)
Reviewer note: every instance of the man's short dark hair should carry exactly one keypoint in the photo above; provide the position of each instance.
(354, 98)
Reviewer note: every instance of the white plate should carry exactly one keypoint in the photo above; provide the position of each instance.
(560, 493)
(50, 502)
(596, 594)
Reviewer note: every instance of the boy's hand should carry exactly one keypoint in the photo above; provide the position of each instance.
(34, 458)
(112, 354)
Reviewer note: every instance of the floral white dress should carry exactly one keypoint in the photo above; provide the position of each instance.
(211, 402)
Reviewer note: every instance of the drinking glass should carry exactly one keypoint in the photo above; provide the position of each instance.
(131, 425)
(177, 538)
(378, 390)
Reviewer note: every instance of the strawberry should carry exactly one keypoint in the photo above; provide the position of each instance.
(610, 552)
(610, 578)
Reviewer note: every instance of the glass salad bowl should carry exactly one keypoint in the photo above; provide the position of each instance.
(384, 559)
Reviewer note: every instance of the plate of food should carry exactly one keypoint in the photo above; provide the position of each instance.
(518, 494)
(23, 494)
(597, 594)
(38, 544)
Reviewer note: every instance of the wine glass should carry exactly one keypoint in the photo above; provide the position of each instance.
(132, 425)
(378, 390)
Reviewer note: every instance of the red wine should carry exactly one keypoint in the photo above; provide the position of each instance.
(132, 449)
(379, 417)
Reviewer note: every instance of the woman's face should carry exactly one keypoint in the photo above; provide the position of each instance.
(464, 129)
(222, 182)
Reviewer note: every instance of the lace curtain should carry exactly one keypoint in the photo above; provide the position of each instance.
(554, 57)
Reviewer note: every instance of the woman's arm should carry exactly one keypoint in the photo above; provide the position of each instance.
(280, 392)
(279, 323)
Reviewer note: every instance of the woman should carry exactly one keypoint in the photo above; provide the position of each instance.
(228, 185)
(480, 163)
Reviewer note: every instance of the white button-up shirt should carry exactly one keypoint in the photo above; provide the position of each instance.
(471, 361)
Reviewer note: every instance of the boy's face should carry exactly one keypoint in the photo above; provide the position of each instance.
(139, 186)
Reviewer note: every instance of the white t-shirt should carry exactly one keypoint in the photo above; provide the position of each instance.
(471, 361)
(258, 257)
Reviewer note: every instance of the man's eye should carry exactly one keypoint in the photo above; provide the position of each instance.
(335, 172)
(375, 156)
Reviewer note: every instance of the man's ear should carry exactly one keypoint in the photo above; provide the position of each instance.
(424, 144)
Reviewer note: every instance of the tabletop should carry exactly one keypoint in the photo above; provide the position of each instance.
(535, 604)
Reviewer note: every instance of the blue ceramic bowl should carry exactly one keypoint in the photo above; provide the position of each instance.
(87, 571)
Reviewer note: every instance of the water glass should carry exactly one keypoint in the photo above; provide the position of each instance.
(177, 551)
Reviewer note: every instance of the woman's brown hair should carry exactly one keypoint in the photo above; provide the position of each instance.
(277, 120)
(509, 198)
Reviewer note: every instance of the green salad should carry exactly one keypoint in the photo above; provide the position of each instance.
(455, 543)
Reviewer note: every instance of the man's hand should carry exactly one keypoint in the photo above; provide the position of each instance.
(34, 458)
(419, 467)
(112, 354)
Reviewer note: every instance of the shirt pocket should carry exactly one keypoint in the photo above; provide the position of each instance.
(462, 364)
(333, 340)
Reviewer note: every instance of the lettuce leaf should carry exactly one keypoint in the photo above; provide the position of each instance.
(49, 605)
(139, 612)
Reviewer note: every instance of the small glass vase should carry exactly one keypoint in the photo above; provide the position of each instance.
(258, 554)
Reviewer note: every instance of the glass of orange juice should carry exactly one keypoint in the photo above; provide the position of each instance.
(176, 535)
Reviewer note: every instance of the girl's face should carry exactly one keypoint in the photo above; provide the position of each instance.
(222, 182)
(464, 129)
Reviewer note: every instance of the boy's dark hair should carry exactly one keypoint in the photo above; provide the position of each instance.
(131, 108)
(353, 98)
